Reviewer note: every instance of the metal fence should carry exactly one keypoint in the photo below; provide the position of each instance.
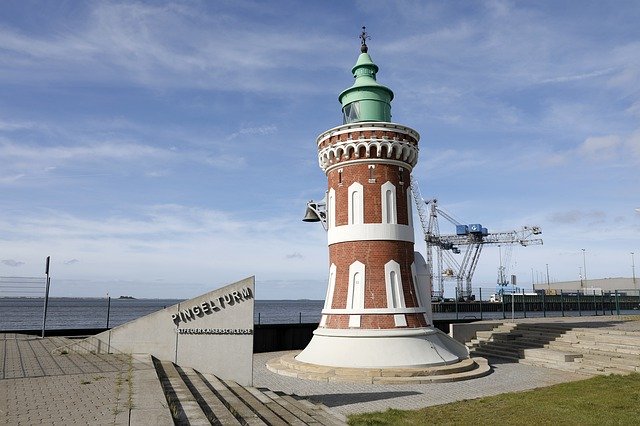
(22, 308)
(27, 288)
(486, 303)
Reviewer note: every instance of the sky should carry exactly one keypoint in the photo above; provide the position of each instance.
(163, 149)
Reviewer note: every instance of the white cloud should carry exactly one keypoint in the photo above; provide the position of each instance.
(172, 242)
(11, 262)
(260, 131)
(163, 46)
(600, 147)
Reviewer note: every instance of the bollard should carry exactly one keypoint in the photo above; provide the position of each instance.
(480, 290)
(617, 304)
(524, 307)
(544, 306)
(258, 318)
(299, 317)
(562, 302)
(595, 304)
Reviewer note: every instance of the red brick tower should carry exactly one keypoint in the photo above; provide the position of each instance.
(377, 306)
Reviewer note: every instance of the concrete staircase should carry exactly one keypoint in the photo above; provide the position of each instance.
(203, 399)
(563, 346)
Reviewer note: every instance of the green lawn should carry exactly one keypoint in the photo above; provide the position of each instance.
(606, 400)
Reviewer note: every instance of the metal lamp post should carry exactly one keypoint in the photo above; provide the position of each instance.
(633, 271)
(584, 266)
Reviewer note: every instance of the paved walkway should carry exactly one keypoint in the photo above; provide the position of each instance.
(40, 384)
(506, 377)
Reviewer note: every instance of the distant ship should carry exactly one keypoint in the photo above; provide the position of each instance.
(126, 297)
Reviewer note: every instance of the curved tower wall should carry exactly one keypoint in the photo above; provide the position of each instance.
(373, 281)
(377, 306)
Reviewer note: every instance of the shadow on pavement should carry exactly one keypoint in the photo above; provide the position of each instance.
(338, 399)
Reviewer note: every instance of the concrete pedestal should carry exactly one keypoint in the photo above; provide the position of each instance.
(355, 348)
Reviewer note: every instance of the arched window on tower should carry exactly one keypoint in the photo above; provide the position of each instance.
(355, 292)
(356, 208)
(389, 210)
(395, 294)
(328, 300)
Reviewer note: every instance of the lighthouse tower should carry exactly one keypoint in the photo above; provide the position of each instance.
(377, 307)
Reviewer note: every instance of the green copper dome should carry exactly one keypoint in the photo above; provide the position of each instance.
(366, 100)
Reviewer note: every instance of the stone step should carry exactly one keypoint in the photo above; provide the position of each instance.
(491, 353)
(516, 345)
(616, 339)
(494, 334)
(563, 366)
(610, 331)
(608, 347)
(594, 350)
(609, 364)
(538, 335)
(260, 409)
(600, 369)
(290, 405)
(275, 407)
(550, 355)
(235, 405)
(182, 403)
(321, 412)
(202, 399)
(482, 369)
(632, 362)
(509, 349)
(318, 415)
(558, 327)
(213, 407)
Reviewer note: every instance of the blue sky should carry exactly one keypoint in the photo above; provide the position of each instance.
(163, 149)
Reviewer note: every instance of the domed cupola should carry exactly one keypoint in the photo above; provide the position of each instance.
(366, 100)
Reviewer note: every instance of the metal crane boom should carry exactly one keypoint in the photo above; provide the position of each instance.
(473, 240)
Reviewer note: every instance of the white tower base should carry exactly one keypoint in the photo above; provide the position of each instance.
(354, 348)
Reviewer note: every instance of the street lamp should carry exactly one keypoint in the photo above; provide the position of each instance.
(584, 266)
(580, 275)
(633, 271)
(548, 285)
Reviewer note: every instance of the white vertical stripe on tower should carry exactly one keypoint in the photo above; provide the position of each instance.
(388, 198)
(356, 201)
(331, 209)
(395, 295)
(355, 291)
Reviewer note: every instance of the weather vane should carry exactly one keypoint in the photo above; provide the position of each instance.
(364, 37)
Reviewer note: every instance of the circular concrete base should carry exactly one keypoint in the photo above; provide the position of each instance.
(382, 348)
(465, 369)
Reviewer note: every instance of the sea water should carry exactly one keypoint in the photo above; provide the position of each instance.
(23, 313)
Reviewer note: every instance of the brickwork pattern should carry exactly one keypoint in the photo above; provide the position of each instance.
(340, 180)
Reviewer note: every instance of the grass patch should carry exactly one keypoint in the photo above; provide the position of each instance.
(600, 400)
(85, 382)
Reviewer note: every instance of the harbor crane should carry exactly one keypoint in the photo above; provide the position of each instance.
(470, 238)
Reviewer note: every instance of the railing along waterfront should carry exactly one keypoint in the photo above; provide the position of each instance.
(485, 303)
(25, 312)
